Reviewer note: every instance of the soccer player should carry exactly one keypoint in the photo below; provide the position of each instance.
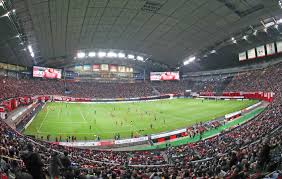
(90, 127)
(151, 126)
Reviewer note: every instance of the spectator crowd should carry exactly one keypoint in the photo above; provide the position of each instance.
(250, 150)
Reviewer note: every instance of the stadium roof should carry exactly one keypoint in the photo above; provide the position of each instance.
(166, 30)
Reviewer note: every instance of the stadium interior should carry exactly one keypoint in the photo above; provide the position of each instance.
(137, 89)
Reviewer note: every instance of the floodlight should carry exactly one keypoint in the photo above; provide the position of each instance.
(101, 54)
(232, 38)
(255, 32)
(279, 21)
(213, 51)
(269, 24)
(91, 54)
(80, 55)
(140, 58)
(29, 48)
(6, 15)
(121, 55)
(190, 60)
(130, 56)
(111, 54)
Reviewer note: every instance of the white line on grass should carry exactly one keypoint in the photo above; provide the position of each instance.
(43, 120)
(81, 114)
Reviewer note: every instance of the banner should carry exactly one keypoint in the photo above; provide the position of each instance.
(279, 46)
(96, 67)
(78, 68)
(104, 67)
(43, 72)
(164, 76)
(270, 49)
(113, 68)
(260, 51)
(242, 56)
(251, 53)
(87, 68)
(121, 68)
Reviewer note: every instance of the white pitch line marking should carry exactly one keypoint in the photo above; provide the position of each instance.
(43, 120)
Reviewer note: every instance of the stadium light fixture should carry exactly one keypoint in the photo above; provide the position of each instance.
(8, 13)
(276, 26)
(29, 47)
(265, 29)
(80, 55)
(111, 54)
(130, 56)
(213, 51)
(255, 32)
(121, 55)
(140, 58)
(190, 60)
(91, 54)
(101, 54)
(234, 41)
(1, 3)
(279, 21)
(269, 24)
(5, 15)
(232, 38)
(280, 3)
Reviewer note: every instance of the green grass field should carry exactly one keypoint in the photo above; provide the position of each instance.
(108, 119)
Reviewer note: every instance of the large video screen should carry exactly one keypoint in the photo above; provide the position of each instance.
(164, 76)
(43, 72)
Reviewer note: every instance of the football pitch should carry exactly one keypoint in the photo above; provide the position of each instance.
(86, 121)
